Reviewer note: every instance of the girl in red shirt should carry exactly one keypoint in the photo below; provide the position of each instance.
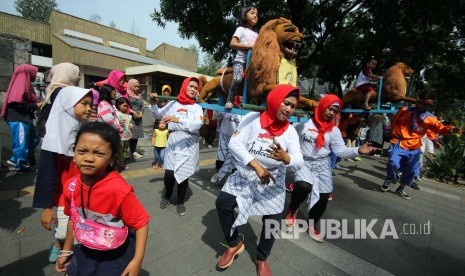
(103, 196)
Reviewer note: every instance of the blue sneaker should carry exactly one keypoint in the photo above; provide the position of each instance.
(54, 253)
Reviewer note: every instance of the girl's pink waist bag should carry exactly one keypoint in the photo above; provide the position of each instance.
(92, 234)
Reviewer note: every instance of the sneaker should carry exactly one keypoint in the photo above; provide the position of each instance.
(415, 186)
(418, 178)
(10, 165)
(210, 146)
(402, 194)
(137, 155)
(330, 197)
(357, 158)
(215, 179)
(26, 171)
(315, 234)
(376, 155)
(338, 167)
(289, 187)
(164, 203)
(386, 184)
(350, 160)
(54, 253)
(291, 216)
(181, 209)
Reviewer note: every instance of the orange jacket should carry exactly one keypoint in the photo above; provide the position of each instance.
(409, 130)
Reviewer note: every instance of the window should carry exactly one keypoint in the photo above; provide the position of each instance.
(43, 50)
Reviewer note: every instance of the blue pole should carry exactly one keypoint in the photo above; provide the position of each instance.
(380, 89)
(244, 91)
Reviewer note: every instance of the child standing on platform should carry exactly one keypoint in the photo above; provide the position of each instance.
(101, 195)
(159, 141)
(243, 39)
(363, 81)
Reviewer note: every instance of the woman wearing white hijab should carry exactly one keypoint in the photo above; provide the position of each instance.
(71, 107)
(63, 74)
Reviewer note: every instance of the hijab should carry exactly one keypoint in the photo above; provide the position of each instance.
(274, 99)
(164, 87)
(20, 89)
(318, 117)
(131, 92)
(182, 97)
(63, 74)
(113, 80)
(62, 124)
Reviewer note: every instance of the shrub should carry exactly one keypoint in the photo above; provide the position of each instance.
(449, 162)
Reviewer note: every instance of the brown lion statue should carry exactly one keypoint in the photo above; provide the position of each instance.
(394, 87)
(272, 62)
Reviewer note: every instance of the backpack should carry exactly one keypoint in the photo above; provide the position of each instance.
(44, 113)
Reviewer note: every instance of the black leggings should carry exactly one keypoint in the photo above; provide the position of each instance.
(211, 134)
(225, 204)
(169, 187)
(133, 145)
(218, 165)
(303, 189)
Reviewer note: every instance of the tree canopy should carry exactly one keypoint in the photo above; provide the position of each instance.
(427, 35)
(35, 9)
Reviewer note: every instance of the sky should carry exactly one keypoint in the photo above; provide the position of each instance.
(125, 14)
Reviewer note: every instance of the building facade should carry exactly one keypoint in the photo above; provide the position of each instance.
(96, 49)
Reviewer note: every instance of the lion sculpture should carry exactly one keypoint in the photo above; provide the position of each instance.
(394, 87)
(272, 62)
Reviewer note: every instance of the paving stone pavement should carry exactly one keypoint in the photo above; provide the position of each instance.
(190, 245)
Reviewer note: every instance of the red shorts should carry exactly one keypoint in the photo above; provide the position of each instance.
(365, 88)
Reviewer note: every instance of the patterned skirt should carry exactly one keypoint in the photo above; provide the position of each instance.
(254, 198)
(318, 173)
(182, 155)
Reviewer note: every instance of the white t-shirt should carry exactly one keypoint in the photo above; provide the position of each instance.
(362, 79)
(250, 141)
(190, 116)
(229, 121)
(245, 36)
(362, 134)
(333, 141)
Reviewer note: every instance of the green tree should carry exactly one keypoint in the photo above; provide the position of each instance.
(427, 35)
(209, 65)
(35, 9)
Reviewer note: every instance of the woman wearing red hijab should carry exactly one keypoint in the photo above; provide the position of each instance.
(18, 110)
(117, 79)
(184, 118)
(317, 138)
(264, 145)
